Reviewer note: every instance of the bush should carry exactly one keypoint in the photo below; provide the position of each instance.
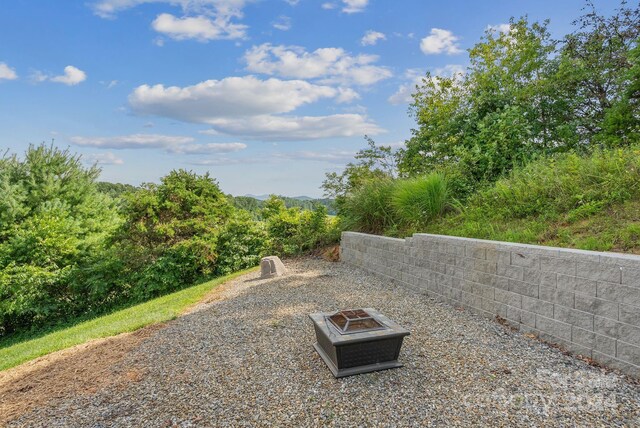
(292, 231)
(369, 208)
(53, 221)
(564, 183)
(241, 244)
(418, 200)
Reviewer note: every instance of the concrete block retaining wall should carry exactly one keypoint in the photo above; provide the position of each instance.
(586, 301)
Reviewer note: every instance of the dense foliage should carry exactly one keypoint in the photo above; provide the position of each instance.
(525, 95)
(589, 202)
(525, 103)
(70, 246)
(254, 205)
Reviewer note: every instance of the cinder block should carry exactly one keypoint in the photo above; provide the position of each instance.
(503, 257)
(596, 306)
(563, 266)
(631, 276)
(600, 272)
(630, 314)
(617, 330)
(485, 266)
(548, 279)
(511, 299)
(537, 306)
(605, 344)
(475, 252)
(491, 254)
(618, 293)
(531, 276)
(615, 363)
(574, 317)
(628, 353)
(523, 288)
(554, 327)
(573, 283)
(564, 298)
(456, 250)
(513, 314)
(465, 263)
(511, 272)
(527, 260)
(583, 337)
(528, 318)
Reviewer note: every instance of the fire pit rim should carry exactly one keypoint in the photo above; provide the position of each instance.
(392, 328)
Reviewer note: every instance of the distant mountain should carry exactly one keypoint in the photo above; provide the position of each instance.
(258, 197)
(265, 197)
(253, 203)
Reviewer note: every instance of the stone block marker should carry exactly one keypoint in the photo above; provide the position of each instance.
(271, 266)
(586, 301)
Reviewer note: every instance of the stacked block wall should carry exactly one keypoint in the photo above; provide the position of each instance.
(587, 302)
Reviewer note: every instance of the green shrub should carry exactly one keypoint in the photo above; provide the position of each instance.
(241, 244)
(564, 183)
(418, 200)
(292, 231)
(369, 209)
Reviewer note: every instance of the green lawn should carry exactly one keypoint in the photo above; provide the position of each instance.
(126, 320)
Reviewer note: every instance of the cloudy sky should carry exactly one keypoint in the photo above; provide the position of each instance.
(266, 95)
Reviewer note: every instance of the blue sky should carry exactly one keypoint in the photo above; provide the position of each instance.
(266, 95)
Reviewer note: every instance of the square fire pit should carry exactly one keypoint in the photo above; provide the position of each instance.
(355, 341)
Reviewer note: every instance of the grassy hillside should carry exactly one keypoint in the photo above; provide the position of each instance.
(16, 351)
(590, 202)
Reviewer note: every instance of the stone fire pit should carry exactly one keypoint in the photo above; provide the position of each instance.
(355, 341)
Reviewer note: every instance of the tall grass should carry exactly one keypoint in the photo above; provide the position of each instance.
(421, 199)
(369, 208)
(564, 184)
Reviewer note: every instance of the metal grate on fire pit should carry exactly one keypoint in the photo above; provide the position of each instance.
(354, 320)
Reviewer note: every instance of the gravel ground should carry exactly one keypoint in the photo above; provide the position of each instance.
(245, 359)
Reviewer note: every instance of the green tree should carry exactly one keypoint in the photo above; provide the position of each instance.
(372, 163)
(499, 113)
(53, 221)
(594, 71)
(169, 237)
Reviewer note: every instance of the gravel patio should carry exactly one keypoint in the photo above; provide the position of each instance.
(245, 358)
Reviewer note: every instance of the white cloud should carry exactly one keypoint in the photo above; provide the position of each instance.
(281, 128)
(109, 83)
(333, 65)
(110, 8)
(346, 95)
(6, 72)
(371, 37)
(292, 2)
(170, 143)
(329, 5)
(330, 156)
(200, 28)
(72, 76)
(440, 41)
(283, 23)
(208, 132)
(203, 20)
(229, 97)
(107, 158)
(499, 28)
(253, 108)
(354, 6)
(414, 76)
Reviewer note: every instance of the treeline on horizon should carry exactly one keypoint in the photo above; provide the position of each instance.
(536, 132)
(73, 247)
(248, 203)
